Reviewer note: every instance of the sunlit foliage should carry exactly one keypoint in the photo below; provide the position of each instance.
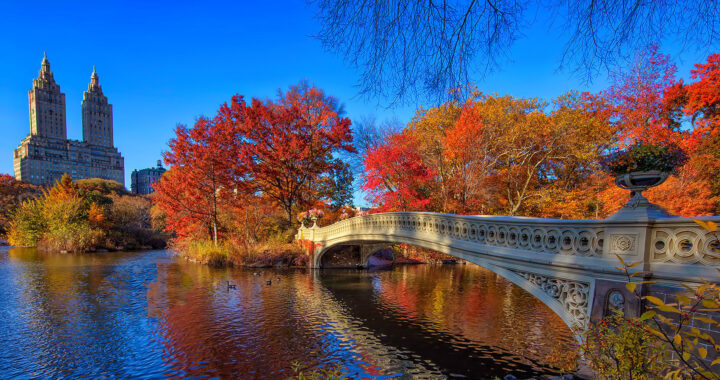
(82, 216)
(494, 154)
(238, 179)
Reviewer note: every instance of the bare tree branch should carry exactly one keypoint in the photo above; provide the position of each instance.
(411, 49)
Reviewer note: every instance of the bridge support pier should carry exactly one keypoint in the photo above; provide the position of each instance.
(613, 295)
(348, 255)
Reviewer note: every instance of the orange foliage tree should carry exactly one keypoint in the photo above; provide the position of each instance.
(289, 146)
(201, 179)
(505, 155)
(232, 174)
(12, 194)
(396, 177)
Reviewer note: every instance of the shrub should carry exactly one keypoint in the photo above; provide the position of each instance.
(12, 194)
(27, 224)
(644, 157)
(204, 251)
(620, 347)
(94, 214)
(231, 252)
(617, 347)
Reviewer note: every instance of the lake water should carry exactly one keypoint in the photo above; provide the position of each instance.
(152, 315)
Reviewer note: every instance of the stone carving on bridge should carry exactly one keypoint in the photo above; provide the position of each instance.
(622, 244)
(615, 302)
(688, 245)
(572, 295)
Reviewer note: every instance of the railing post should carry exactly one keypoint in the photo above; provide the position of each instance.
(628, 234)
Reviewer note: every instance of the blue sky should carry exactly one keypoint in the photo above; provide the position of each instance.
(164, 64)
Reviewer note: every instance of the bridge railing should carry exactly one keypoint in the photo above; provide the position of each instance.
(666, 245)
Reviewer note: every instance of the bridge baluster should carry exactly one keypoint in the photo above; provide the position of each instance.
(569, 264)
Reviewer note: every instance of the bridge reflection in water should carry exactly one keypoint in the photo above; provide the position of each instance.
(570, 265)
(148, 314)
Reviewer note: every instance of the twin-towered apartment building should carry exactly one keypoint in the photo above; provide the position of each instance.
(46, 154)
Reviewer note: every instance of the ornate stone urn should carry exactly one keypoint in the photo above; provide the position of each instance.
(637, 182)
(638, 207)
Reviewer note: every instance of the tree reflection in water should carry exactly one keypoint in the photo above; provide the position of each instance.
(149, 314)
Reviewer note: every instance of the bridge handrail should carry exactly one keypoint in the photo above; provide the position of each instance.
(672, 240)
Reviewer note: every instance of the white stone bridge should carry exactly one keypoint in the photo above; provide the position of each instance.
(570, 265)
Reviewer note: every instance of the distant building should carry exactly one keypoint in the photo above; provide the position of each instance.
(46, 154)
(142, 180)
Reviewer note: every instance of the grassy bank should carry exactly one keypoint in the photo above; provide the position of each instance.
(228, 253)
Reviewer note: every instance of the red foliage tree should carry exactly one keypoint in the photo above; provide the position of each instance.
(289, 147)
(395, 175)
(201, 177)
(703, 96)
(637, 98)
(278, 153)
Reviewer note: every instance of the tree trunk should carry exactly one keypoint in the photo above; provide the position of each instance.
(288, 211)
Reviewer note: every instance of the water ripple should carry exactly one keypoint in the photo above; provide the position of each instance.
(148, 315)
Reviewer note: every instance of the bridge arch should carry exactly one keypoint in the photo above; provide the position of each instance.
(570, 265)
(570, 299)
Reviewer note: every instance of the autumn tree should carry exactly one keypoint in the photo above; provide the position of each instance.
(489, 154)
(637, 98)
(573, 177)
(651, 106)
(396, 177)
(12, 194)
(290, 146)
(429, 128)
(238, 178)
(202, 177)
(703, 96)
(499, 154)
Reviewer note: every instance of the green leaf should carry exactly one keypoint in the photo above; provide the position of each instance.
(668, 309)
(706, 320)
(686, 356)
(647, 315)
(655, 300)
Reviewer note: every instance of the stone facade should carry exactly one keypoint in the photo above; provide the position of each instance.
(46, 154)
(142, 180)
(97, 117)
